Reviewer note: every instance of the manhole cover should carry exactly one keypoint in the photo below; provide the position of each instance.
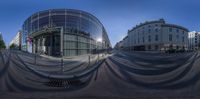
(64, 83)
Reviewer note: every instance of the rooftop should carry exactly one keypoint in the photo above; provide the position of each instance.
(158, 21)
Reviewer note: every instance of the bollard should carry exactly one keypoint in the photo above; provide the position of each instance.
(89, 60)
(35, 60)
(62, 66)
(98, 58)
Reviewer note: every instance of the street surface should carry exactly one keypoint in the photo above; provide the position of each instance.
(136, 75)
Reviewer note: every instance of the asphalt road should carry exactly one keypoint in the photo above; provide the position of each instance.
(138, 75)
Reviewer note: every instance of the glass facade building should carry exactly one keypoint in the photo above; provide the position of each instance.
(66, 32)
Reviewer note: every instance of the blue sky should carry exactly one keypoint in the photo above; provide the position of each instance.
(117, 16)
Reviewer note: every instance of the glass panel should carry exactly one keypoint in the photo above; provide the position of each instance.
(35, 26)
(70, 52)
(58, 20)
(170, 37)
(70, 45)
(72, 22)
(82, 39)
(43, 22)
(29, 25)
(70, 37)
(35, 16)
(58, 12)
(44, 14)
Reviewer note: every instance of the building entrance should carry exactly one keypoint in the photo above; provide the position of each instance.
(48, 44)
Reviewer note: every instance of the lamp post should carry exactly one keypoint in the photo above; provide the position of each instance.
(61, 48)
(88, 60)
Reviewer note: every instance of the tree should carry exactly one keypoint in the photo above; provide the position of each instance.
(13, 46)
(2, 45)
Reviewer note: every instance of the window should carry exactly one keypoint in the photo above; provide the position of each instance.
(170, 37)
(149, 38)
(58, 20)
(170, 29)
(70, 52)
(44, 21)
(82, 39)
(149, 47)
(44, 14)
(183, 32)
(143, 39)
(34, 17)
(149, 30)
(156, 37)
(70, 45)
(142, 32)
(35, 25)
(70, 37)
(57, 12)
(156, 29)
(156, 47)
(195, 34)
(82, 45)
(183, 39)
(177, 36)
(81, 52)
(177, 30)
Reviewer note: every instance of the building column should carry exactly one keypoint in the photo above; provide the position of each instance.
(38, 45)
(61, 41)
(43, 45)
(51, 44)
(33, 46)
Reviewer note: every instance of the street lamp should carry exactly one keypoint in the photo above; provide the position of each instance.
(61, 47)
